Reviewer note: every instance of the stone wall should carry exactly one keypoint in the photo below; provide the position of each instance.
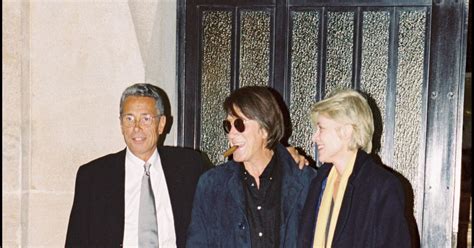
(64, 66)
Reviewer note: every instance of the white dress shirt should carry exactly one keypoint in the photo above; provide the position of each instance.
(134, 171)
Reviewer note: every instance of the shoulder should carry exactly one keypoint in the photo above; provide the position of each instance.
(175, 150)
(378, 173)
(181, 154)
(104, 162)
(178, 158)
(291, 166)
(220, 173)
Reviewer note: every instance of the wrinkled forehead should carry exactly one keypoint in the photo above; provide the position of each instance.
(140, 104)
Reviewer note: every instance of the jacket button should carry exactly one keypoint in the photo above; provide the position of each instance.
(241, 226)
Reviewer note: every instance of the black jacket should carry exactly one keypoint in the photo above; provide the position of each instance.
(372, 210)
(97, 215)
(219, 217)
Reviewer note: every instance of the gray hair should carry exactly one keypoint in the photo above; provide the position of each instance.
(146, 90)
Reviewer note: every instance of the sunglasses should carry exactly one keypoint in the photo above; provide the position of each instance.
(238, 124)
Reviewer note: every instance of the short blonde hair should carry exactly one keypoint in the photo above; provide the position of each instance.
(348, 106)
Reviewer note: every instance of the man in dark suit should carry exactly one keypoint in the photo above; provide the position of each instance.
(106, 205)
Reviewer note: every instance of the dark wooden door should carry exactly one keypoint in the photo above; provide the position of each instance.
(408, 56)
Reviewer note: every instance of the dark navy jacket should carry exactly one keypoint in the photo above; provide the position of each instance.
(372, 210)
(219, 216)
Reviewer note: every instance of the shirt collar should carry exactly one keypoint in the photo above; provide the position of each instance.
(267, 173)
(136, 160)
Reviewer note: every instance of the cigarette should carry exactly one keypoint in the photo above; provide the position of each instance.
(230, 151)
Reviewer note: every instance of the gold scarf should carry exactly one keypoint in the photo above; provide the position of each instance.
(320, 240)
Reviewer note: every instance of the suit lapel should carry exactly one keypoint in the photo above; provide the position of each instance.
(116, 207)
(344, 211)
(167, 169)
(347, 201)
(173, 172)
(121, 188)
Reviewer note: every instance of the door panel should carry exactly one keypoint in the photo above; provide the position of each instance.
(255, 33)
(394, 51)
(215, 78)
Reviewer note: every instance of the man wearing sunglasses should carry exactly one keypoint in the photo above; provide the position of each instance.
(256, 199)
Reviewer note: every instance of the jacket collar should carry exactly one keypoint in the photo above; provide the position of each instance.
(361, 158)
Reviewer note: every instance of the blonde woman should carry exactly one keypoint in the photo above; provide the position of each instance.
(353, 201)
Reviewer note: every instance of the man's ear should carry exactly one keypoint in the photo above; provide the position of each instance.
(161, 124)
(264, 132)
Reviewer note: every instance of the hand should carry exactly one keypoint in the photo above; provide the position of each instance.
(299, 159)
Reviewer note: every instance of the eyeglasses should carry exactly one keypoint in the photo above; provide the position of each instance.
(238, 124)
(144, 121)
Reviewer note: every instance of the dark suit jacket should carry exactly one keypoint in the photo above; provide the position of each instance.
(372, 210)
(97, 215)
(219, 215)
